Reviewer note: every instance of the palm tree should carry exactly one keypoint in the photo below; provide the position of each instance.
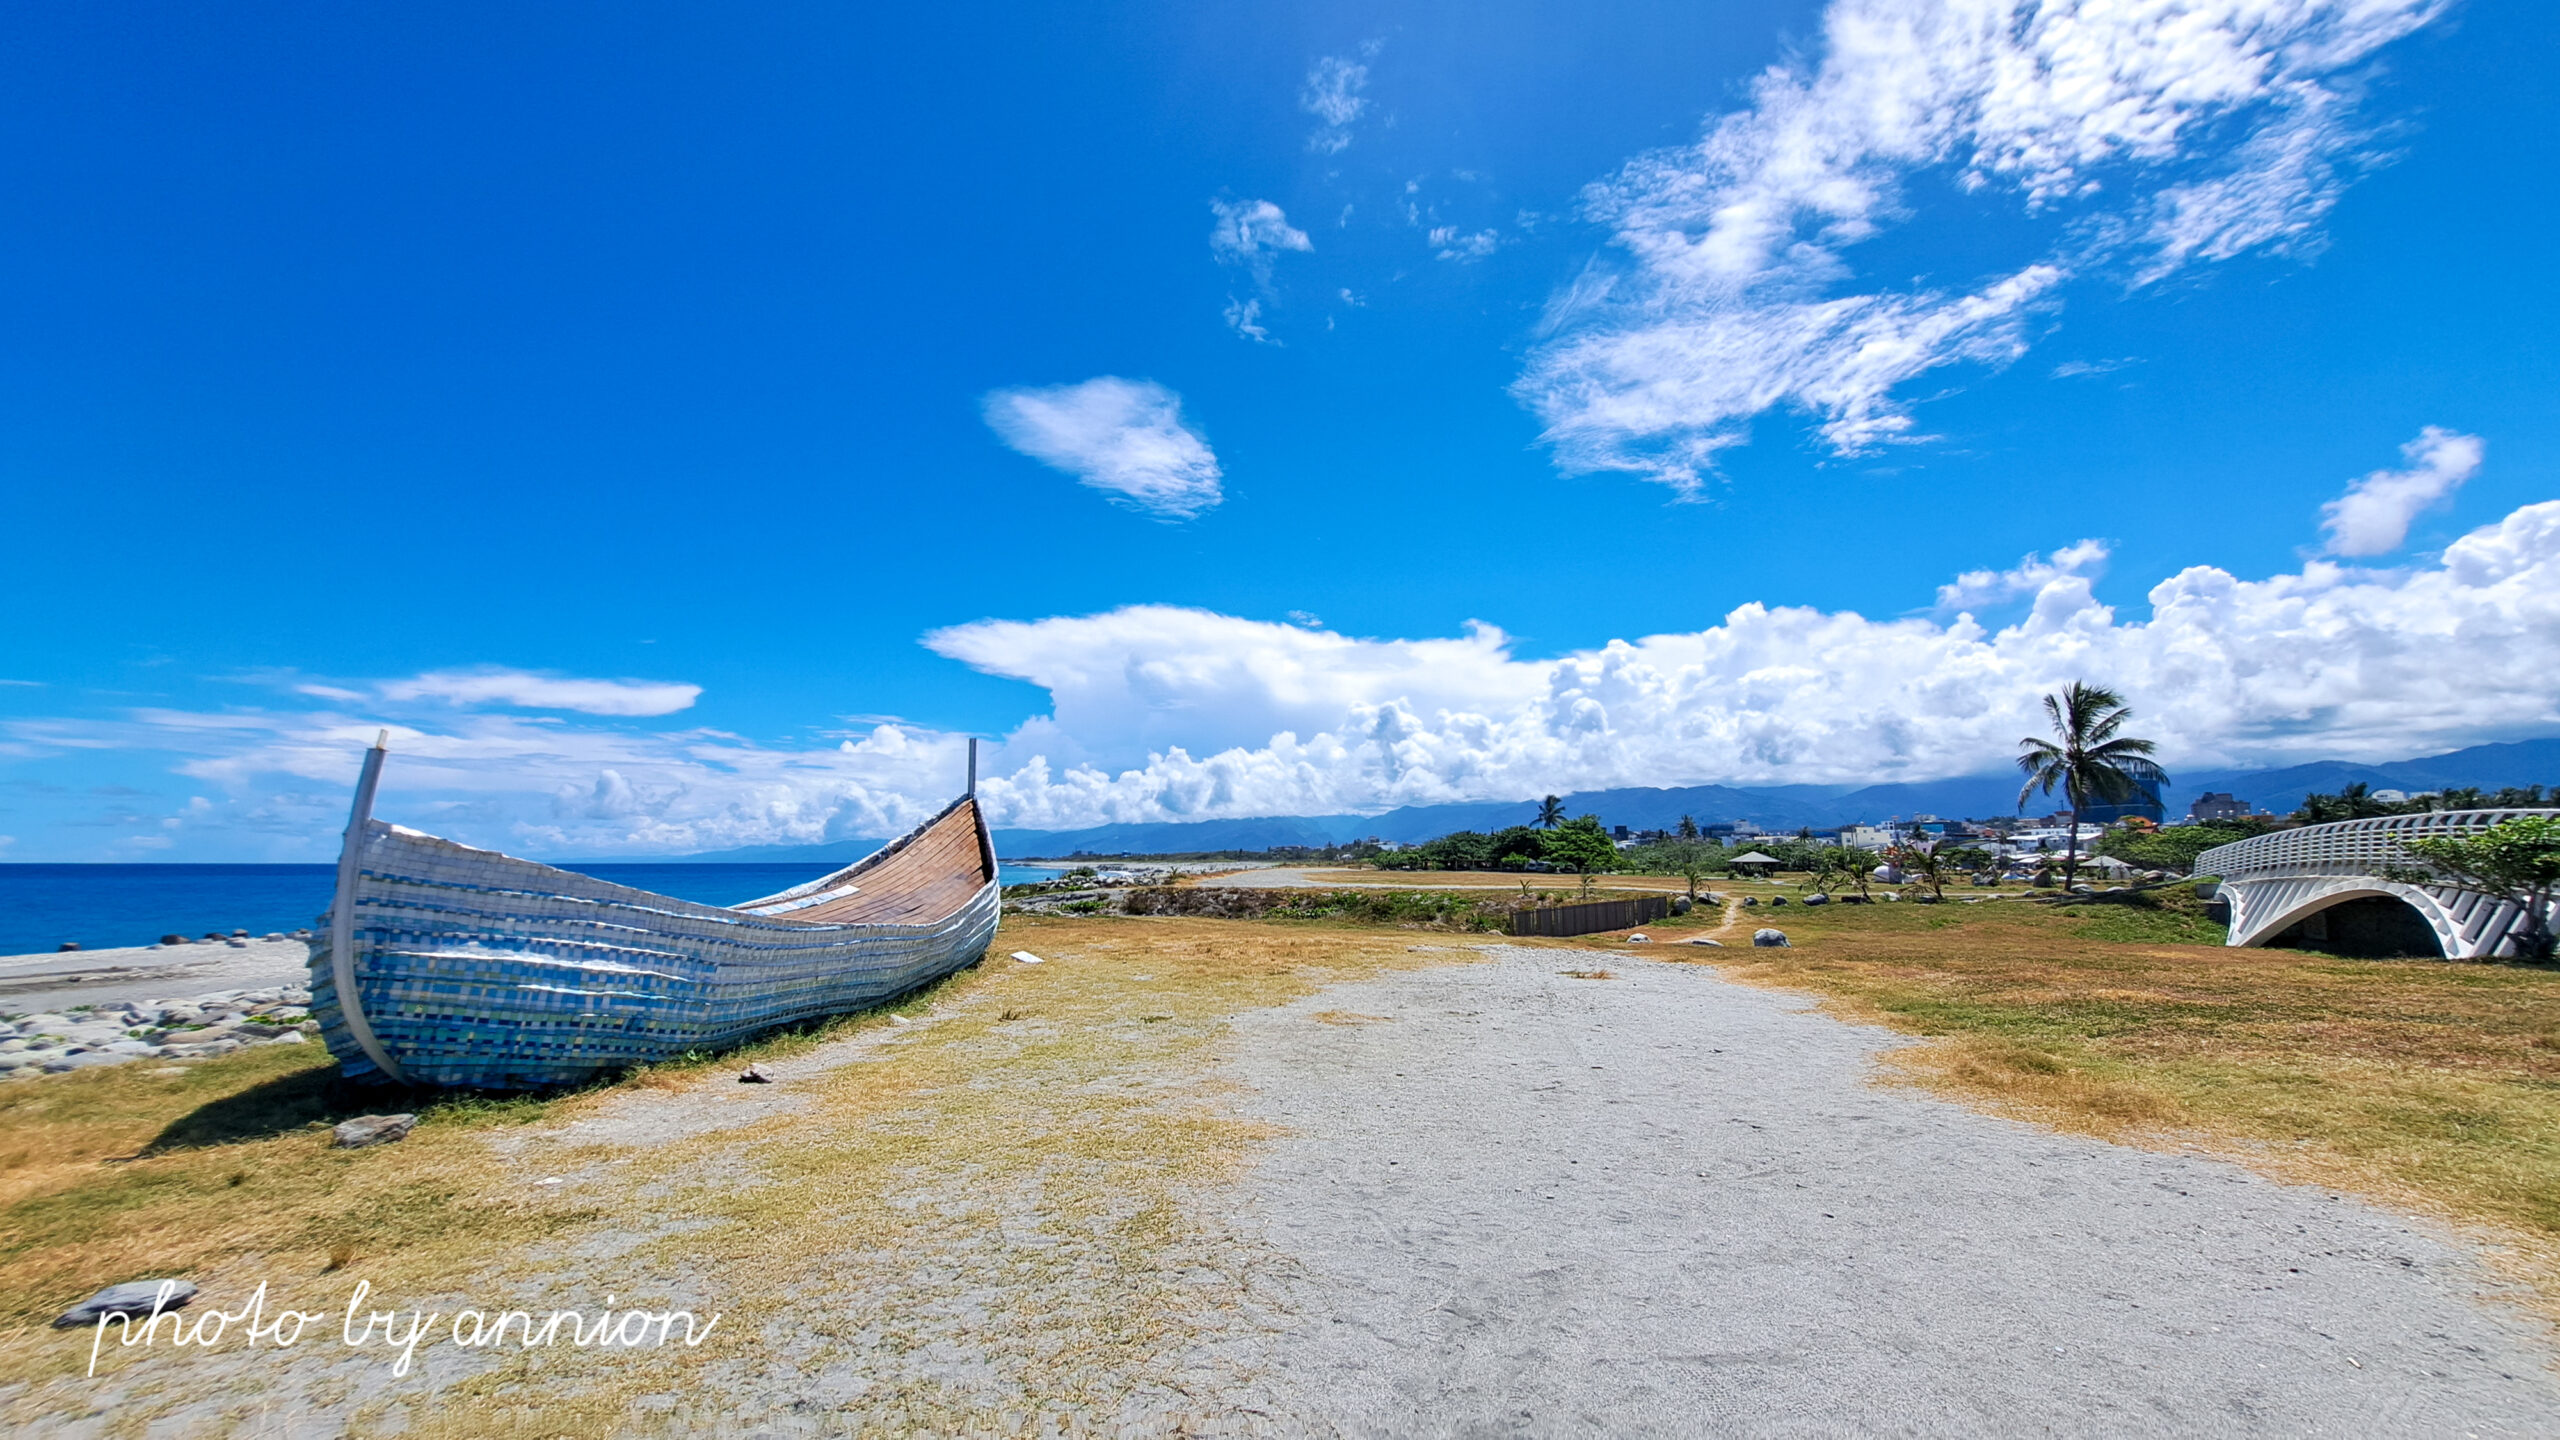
(1550, 813)
(2091, 764)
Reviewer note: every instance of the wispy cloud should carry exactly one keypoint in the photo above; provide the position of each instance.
(1124, 437)
(1452, 245)
(531, 690)
(2148, 140)
(2033, 575)
(1332, 95)
(1245, 318)
(1249, 232)
(2372, 517)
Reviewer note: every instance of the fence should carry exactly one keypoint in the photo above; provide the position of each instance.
(1588, 918)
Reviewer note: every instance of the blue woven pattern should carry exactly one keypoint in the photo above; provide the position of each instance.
(482, 970)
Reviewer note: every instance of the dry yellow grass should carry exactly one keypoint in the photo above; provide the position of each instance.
(1006, 1183)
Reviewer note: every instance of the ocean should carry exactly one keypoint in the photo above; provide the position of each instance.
(101, 906)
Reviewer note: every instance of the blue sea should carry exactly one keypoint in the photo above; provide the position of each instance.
(107, 905)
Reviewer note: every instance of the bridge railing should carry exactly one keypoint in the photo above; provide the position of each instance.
(2343, 847)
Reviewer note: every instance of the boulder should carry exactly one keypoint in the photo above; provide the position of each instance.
(139, 1297)
(1750, 902)
(66, 945)
(173, 939)
(1777, 899)
(1681, 906)
(1771, 939)
(1817, 898)
(372, 1130)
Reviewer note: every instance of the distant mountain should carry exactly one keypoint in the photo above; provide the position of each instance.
(1778, 807)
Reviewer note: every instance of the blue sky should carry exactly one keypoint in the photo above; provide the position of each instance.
(681, 427)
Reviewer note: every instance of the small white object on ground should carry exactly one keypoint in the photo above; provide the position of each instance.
(1639, 938)
(137, 1297)
(1027, 958)
(897, 1019)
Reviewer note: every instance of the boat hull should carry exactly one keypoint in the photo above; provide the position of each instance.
(480, 970)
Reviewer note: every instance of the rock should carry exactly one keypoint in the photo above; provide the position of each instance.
(139, 1297)
(66, 945)
(1777, 899)
(1817, 898)
(260, 1030)
(239, 934)
(275, 934)
(1681, 906)
(1771, 939)
(754, 1076)
(85, 1060)
(173, 939)
(1639, 938)
(372, 1130)
(1750, 902)
(1703, 940)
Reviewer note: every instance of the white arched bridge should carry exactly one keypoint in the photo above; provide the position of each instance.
(2327, 886)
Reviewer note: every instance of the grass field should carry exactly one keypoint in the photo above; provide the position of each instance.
(1024, 1176)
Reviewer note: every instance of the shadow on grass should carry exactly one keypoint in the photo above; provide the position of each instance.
(314, 1096)
(320, 1096)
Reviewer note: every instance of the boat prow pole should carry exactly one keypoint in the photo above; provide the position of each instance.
(342, 914)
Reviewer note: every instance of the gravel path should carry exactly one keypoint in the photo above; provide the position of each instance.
(1666, 1204)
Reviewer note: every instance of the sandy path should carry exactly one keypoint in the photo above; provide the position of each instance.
(29, 983)
(1666, 1204)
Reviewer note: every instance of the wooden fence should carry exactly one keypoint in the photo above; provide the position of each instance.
(1586, 919)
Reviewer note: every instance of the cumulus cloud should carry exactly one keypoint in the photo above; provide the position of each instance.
(1168, 713)
(528, 690)
(1975, 589)
(1249, 232)
(2373, 517)
(1332, 95)
(1124, 437)
(2147, 138)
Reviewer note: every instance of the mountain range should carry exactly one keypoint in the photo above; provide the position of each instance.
(1779, 807)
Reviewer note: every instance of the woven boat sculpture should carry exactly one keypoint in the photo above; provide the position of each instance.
(472, 968)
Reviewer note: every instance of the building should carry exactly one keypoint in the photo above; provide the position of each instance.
(1754, 863)
(2216, 805)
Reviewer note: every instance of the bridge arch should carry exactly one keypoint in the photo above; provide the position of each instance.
(2375, 919)
(2288, 878)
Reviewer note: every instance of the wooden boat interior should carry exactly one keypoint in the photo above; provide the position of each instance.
(928, 876)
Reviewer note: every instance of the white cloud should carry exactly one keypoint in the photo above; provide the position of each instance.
(1125, 437)
(1249, 232)
(2373, 517)
(1158, 712)
(2071, 564)
(2150, 136)
(1333, 96)
(1452, 245)
(1245, 318)
(527, 690)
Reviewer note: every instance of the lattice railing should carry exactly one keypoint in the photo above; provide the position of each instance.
(2343, 847)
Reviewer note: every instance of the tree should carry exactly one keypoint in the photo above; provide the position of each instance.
(2174, 848)
(1580, 845)
(1550, 813)
(1689, 859)
(2093, 763)
(1924, 863)
(1517, 844)
(2516, 860)
(1688, 828)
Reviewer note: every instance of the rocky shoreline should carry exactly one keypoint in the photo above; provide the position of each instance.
(86, 1036)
